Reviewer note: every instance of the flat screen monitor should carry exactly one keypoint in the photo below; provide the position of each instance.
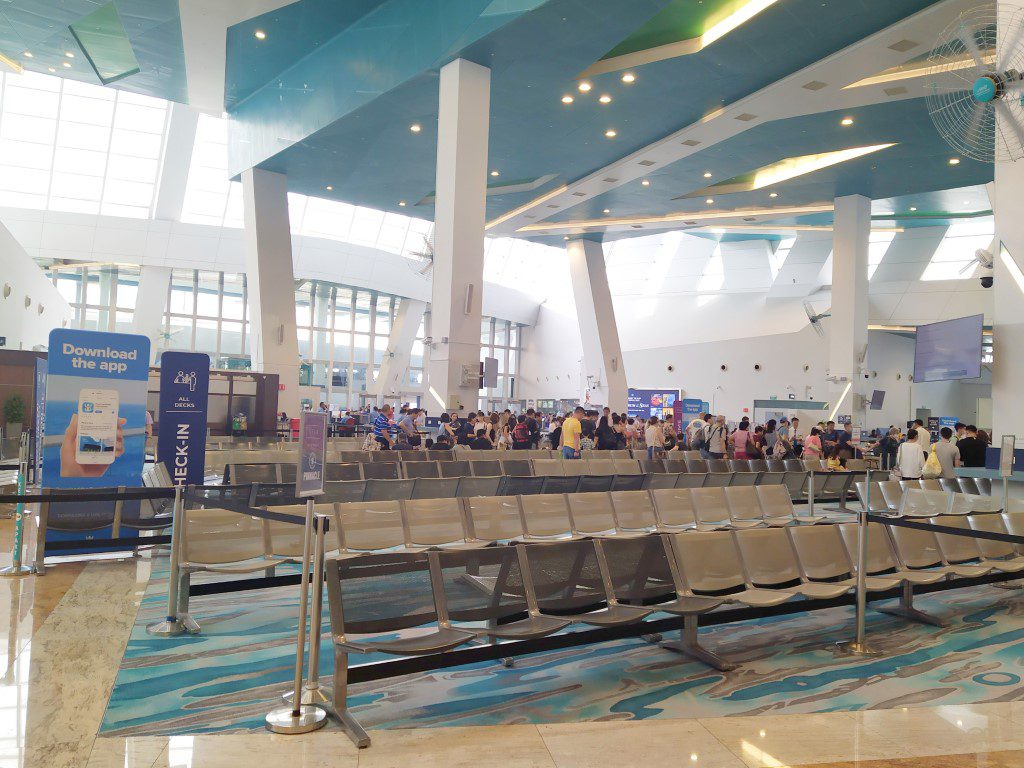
(644, 403)
(877, 398)
(949, 350)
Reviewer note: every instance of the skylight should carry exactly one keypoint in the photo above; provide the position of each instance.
(878, 246)
(713, 277)
(952, 259)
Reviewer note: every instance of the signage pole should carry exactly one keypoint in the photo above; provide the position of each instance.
(1006, 450)
(175, 623)
(859, 646)
(312, 693)
(16, 568)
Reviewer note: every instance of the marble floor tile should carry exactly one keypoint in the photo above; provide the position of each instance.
(945, 729)
(497, 746)
(137, 752)
(782, 740)
(1013, 759)
(636, 743)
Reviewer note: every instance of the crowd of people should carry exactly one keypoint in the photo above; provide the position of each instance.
(910, 454)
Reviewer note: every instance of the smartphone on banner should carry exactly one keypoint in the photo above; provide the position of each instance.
(97, 426)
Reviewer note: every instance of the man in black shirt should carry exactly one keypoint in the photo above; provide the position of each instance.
(534, 426)
(481, 442)
(972, 450)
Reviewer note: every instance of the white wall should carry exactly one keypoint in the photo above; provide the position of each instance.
(551, 367)
(30, 307)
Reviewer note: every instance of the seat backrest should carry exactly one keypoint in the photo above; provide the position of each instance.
(652, 465)
(708, 561)
(690, 480)
(516, 467)
(744, 478)
(920, 502)
(354, 457)
(485, 467)
(879, 555)
(545, 515)
(440, 455)
(697, 466)
(242, 474)
(435, 488)
(566, 575)
(591, 512)
(967, 485)
(718, 480)
(214, 536)
(742, 503)
(639, 569)
(709, 504)
(415, 469)
(433, 521)
(771, 478)
(776, 465)
(287, 472)
(677, 466)
(821, 551)
(993, 524)
(892, 492)
(634, 510)
(757, 465)
(522, 486)
(916, 548)
(949, 484)
(539, 453)
(455, 468)
(673, 506)
(496, 565)
(478, 486)
(718, 465)
(369, 525)
(494, 518)
(388, 490)
(984, 485)
(796, 465)
(626, 466)
(547, 467)
(560, 484)
(343, 472)
(956, 549)
(738, 465)
(628, 482)
(262, 494)
(344, 490)
(768, 556)
(966, 503)
(931, 484)
(600, 467)
(574, 467)
(595, 483)
(287, 539)
(620, 455)
(877, 500)
(775, 500)
(381, 470)
(907, 485)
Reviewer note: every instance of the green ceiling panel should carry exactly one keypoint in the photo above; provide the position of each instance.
(680, 20)
(103, 40)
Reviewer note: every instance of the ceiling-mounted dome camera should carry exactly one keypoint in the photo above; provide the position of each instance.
(671, 368)
(724, 367)
(986, 281)
(807, 368)
(757, 366)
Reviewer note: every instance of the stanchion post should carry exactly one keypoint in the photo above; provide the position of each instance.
(16, 568)
(175, 623)
(859, 646)
(299, 717)
(810, 492)
(312, 693)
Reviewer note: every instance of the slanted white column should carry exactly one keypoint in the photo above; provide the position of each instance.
(1008, 310)
(181, 138)
(399, 351)
(150, 303)
(848, 328)
(603, 372)
(459, 213)
(273, 340)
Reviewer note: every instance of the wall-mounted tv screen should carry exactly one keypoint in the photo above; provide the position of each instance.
(877, 399)
(949, 350)
(644, 403)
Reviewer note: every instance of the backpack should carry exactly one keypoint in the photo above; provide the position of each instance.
(521, 433)
(699, 439)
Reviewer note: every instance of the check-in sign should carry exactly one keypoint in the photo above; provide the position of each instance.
(309, 479)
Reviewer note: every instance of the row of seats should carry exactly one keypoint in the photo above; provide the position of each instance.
(926, 498)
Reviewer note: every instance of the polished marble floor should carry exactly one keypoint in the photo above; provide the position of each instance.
(67, 633)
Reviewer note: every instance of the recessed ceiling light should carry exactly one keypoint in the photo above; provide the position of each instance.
(415, 128)
(566, 237)
(645, 183)
(912, 209)
(584, 86)
(607, 210)
(259, 34)
(605, 98)
(628, 77)
(710, 201)
(329, 188)
(707, 174)
(967, 202)
(402, 203)
(611, 133)
(567, 99)
(773, 195)
(66, 63)
(846, 121)
(954, 161)
(27, 54)
(495, 173)
(69, 54)
(51, 69)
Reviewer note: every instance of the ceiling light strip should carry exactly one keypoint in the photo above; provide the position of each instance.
(674, 217)
(525, 207)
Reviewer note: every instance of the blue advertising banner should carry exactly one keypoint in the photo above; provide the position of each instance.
(95, 428)
(39, 397)
(705, 406)
(309, 480)
(644, 403)
(691, 408)
(184, 394)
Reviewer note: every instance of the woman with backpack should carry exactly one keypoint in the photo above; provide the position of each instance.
(522, 439)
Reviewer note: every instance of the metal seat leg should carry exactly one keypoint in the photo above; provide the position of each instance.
(905, 609)
(689, 644)
(339, 709)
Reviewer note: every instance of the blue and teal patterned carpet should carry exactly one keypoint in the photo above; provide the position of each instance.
(230, 676)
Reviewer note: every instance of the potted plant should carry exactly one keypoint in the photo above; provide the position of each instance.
(14, 415)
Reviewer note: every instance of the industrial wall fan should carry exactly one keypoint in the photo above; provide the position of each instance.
(977, 75)
(816, 318)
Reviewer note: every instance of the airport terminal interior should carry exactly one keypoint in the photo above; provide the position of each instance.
(512, 383)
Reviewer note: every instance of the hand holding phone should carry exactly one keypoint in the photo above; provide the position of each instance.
(69, 464)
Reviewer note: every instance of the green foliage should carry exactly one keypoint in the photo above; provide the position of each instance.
(14, 410)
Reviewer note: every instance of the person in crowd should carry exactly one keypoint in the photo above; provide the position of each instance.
(504, 441)
(481, 442)
(467, 430)
(984, 441)
(757, 446)
(629, 430)
(888, 446)
(972, 453)
(910, 457)
(607, 439)
(588, 438)
(534, 426)
(149, 424)
(796, 437)
(522, 440)
(845, 449)
(717, 439)
(922, 434)
(384, 429)
(572, 430)
(947, 453)
(740, 441)
(654, 437)
(671, 441)
(407, 427)
(428, 444)
(444, 442)
(832, 461)
(444, 425)
(771, 437)
(555, 435)
(829, 437)
(812, 448)
(692, 429)
(961, 431)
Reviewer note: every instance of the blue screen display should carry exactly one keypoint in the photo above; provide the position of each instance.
(949, 350)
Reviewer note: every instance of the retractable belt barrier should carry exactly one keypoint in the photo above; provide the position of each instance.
(920, 524)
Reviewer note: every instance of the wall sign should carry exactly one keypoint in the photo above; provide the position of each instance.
(184, 392)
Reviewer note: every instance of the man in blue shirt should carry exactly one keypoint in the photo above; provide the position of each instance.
(384, 429)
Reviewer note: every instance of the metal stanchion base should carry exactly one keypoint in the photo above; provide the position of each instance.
(853, 648)
(1011, 585)
(317, 696)
(183, 625)
(22, 570)
(285, 720)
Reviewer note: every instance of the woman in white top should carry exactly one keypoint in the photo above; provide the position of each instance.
(910, 457)
(654, 436)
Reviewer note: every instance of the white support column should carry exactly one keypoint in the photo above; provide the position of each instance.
(399, 351)
(603, 372)
(150, 303)
(273, 339)
(459, 214)
(181, 138)
(848, 328)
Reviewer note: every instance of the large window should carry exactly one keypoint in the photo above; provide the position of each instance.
(954, 258)
(102, 298)
(501, 339)
(70, 146)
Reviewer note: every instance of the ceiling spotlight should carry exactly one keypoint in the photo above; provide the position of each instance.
(611, 133)
(912, 209)
(645, 183)
(954, 161)
(605, 99)
(495, 173)
(607, 210)
(27, 54)
(51, 69)
(710, 201)
(707, 174)
(401, 203)
(567, 99)
(259, 34)
(584, 86)
(566, 237)
(629, 77)
(66, 63)
(329, 188)
(846, 121)
(69, 54)
(415, 128)
(773, 195)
